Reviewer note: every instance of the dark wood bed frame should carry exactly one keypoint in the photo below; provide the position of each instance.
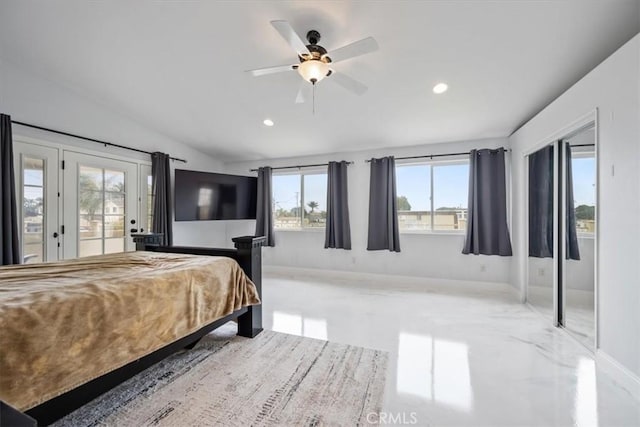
(248, 254)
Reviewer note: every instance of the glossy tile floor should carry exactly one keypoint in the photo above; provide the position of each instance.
(579, 312)
(459, 356)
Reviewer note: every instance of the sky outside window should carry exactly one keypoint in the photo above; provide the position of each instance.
(450, 186)
(414, 183)
(286, 191)
(584, 185)
(315, 190)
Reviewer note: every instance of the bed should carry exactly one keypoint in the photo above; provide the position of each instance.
(73, 329)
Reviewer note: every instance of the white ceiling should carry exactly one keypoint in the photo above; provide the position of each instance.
(178, 66)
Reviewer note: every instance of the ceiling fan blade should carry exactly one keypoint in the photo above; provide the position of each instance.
(270, 70)
(348, 83)
(294, 40)
(304, 93)
(354, 49)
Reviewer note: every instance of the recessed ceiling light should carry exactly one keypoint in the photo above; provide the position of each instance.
(440, 88)
(268, 122)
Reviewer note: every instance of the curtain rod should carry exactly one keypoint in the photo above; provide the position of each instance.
(298, 167)
(431, 156)
(88, 139)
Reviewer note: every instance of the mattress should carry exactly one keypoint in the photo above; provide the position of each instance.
(63, 324)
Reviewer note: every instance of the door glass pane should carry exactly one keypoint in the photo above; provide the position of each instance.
(33, 210)
(114, 181)
(114, 204)
(90, 178)
(90, 202)
(90, 247)
(90, 226)
(150, 202)
(32, 252)
(114, 226)
(102, 211)
(113, 246)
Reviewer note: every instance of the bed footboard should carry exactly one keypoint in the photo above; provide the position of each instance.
(247, 252)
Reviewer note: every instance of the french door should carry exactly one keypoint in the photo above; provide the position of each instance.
(75, 204)
(36, 171)
(100, 205)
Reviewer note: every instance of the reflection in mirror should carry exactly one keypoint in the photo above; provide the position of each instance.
(541, 222)
(579, 286)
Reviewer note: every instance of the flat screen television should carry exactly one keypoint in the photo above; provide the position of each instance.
(202, 196)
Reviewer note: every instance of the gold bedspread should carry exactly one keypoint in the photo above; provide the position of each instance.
(63, 324)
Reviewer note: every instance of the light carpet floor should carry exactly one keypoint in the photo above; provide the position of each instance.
(274, 379)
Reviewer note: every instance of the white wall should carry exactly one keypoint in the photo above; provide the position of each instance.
(31, 98)
(614, 89)
(425, 255)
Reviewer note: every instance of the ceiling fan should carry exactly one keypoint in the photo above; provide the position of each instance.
(315, 63)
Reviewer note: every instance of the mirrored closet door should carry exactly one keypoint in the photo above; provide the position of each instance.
(541, 202)
(561, 233)
(579, 263)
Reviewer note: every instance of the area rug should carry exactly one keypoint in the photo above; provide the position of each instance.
(271, 380)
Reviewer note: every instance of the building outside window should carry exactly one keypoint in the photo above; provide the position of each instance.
(432, 196)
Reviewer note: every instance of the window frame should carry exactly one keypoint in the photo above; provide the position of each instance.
(301, 173)
(432, 165)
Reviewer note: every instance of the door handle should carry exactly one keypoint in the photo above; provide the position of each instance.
(134, 230)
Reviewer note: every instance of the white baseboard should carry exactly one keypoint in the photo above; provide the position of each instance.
(618, 373)
(395, 282)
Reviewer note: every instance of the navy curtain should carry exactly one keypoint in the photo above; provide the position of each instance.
(162, 207)
(337, 230)
(9, 236)
(383, 206)
(487, 231)
(264, 211)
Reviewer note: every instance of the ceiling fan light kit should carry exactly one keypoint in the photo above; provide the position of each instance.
(313, 70)
(314, 59)
(314, 66)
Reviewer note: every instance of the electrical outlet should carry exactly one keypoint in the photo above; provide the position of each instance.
(353, 260)
(541, 272)
(483, 268)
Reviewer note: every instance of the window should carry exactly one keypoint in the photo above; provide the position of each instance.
(300, 200)
(146, 199)
(583, 168)
(33, 191)
(432, 196)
